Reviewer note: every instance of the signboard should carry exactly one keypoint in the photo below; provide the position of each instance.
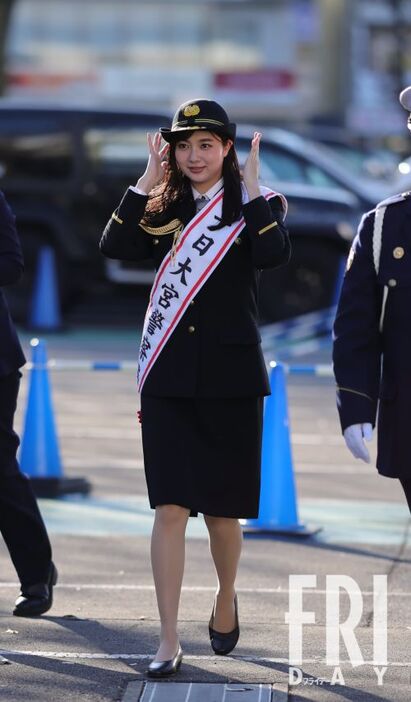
(260, 79)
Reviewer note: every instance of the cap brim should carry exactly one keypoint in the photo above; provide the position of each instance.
(173, 135)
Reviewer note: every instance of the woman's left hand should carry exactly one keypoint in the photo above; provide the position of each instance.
(251, 167)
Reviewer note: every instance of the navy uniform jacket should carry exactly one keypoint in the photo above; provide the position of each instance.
(373, 367)
(11, 269)
(222, 356)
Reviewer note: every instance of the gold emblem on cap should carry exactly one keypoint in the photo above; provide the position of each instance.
(398, 252)
(191, 111)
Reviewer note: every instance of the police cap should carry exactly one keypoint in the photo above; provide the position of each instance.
(405, 98)
(199, 114)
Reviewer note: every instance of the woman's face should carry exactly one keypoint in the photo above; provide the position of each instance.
(200, 158)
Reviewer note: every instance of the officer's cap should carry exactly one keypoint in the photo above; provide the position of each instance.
(405, 98)
(199, 114)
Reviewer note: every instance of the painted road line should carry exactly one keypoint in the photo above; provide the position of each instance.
(125, 434)
(336, 469)
(204, 588)
(86, 655)
(314, 439)
(105, 463)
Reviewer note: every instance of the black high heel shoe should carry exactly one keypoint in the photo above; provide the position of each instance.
(161, 669)
(222, 644)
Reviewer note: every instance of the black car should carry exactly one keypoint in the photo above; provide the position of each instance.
(64, 169)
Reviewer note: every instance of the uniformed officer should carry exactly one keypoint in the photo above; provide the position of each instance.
(372, 340)
(202, 374)
(21, 524)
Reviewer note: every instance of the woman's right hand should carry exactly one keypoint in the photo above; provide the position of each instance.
(156, 165)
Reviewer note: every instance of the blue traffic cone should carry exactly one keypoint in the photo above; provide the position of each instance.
(278, 502)
(39, 453)
(45, 314)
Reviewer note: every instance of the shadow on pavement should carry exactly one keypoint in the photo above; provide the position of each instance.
(336, 548)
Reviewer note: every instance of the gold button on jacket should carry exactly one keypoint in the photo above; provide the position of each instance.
(398, 252)
(215, 350)
(392, 282)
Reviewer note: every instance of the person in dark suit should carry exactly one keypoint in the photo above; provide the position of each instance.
(21, 524)
(202, 400)
(372, 341)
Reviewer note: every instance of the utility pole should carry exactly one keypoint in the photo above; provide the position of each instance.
(399, 32)
(5, 13)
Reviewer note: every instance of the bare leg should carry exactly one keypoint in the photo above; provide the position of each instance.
(225, 546)
(167, 561)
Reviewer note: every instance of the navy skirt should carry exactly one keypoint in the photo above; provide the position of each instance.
(203, 454)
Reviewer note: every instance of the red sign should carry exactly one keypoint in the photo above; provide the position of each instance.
(260, 79)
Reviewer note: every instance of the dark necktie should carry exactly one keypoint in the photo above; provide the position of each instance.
(201, 202)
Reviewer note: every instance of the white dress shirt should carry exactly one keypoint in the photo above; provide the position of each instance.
(210, 193)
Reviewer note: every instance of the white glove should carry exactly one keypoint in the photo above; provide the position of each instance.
(354, 436)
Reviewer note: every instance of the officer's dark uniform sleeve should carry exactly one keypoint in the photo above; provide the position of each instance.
(11, 257)
(357, 340)
(122, 238)
(270, 243)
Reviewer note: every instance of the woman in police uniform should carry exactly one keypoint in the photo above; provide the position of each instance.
(202, 400)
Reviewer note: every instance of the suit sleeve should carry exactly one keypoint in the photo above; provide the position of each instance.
(11, 256)
(122, 238)
(270, 243)
(356, 336)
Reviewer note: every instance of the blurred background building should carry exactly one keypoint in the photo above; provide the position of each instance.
(337, 61)
(84, 80)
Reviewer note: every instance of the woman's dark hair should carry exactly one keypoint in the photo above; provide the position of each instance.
(176, 186)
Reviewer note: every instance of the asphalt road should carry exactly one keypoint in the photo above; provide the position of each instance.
(96, 642)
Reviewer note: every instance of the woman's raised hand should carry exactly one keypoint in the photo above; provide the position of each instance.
(156, 165)
(252, 166)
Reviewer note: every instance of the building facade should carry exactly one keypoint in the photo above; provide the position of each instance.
(272, 60)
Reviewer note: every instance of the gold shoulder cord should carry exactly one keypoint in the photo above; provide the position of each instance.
(174, 227)
(169, 228)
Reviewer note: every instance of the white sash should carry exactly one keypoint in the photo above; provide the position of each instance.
(181, 276)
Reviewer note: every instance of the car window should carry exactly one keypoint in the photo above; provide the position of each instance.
(316, 176)
(266, 173)
(279, 164)
(117, 151)
(294, 169)
(34, 146)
